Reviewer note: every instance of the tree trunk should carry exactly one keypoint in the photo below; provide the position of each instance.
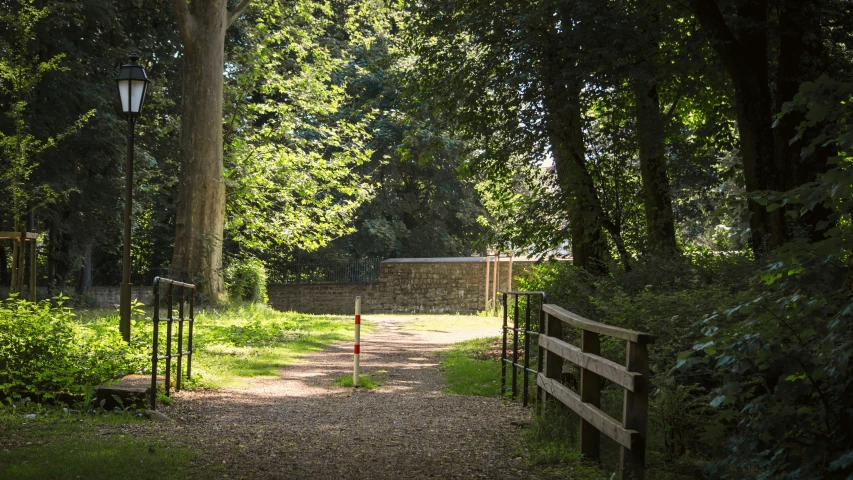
(565, 129)
(4, 267)
(657, 199)
(801, 55)
(564, 126)
(84, 281)
(51, 258)
(200, 213)
(651, 135)
(746, 60)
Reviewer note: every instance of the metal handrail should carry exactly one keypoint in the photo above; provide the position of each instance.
(513, 362)
(170, 284)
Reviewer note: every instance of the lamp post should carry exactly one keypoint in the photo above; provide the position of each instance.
(132, 85)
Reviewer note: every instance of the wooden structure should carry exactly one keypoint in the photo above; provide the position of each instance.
(494, 256)
(633, 377)
(19, 249)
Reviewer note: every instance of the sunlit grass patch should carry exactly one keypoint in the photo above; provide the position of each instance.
(471, 368)
(241, 341)
(453, 323)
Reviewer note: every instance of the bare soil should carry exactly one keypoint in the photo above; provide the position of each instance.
(302, 426)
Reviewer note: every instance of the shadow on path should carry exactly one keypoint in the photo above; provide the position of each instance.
(301, 426)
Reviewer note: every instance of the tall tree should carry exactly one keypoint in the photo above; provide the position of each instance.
(200, 217)
(651, 135)
(749, 43)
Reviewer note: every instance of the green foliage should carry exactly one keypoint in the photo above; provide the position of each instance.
(553, 434)
(246, 280)
(473, 368)
(780, 352)
(780, 355)
(20, 73)
(291, 158)
(46, 355)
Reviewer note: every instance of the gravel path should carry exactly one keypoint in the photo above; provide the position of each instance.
(300, 426)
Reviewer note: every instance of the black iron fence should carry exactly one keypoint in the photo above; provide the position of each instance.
(186, 297)
(328, 271)
(525, 311)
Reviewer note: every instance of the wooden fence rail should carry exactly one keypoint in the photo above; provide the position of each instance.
(630, 434)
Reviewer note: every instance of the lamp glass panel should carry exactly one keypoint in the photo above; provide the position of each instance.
(137, 94)
(124, 92)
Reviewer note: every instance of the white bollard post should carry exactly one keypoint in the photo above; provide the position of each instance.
(357, 348)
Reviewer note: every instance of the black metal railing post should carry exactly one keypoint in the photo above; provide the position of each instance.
(514, 346)
(190, 339)
(526, 346)
(503, 349)
(154, 345)
(169, 320)
(526, 332)
(540, 352)
(180, 340)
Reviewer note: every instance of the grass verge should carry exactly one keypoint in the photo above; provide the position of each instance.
(55, 444)
(472, 368)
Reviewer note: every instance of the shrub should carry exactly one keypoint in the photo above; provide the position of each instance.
(246, 280)
(45, 354)
(781, 355)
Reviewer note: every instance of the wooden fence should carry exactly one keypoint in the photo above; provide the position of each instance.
(633, 377)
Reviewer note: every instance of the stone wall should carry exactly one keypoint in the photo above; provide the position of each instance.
(106, 297)
(406, 285)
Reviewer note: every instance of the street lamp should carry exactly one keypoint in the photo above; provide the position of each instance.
(132, 85)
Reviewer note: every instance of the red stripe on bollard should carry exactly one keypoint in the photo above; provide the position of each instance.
(357, 348)
(358, 319)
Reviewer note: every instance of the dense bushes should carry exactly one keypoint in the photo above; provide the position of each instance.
(44, 354)
(665, 297)
(781, 356)
(754, 370)
(246, 280)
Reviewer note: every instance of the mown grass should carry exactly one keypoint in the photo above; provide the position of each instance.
(239, 342)
(470, 368)
(59, 445)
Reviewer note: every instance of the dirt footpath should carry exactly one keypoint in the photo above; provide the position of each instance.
(301, 426)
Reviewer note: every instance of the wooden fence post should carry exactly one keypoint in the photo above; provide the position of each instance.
(33, 263)
(486, 295)
(553, 361)
(635, 413)
(590, 392)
